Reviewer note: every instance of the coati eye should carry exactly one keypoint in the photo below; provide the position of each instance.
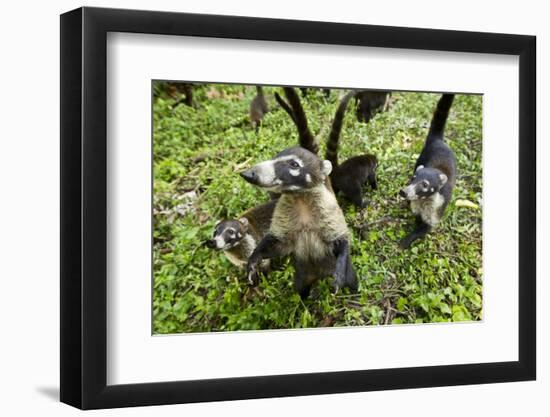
(425, 184)
(293, 164)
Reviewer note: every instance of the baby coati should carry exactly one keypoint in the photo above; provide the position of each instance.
(431, 185)
(369, 103)
(239, 237)
(355, 172)
(258, 108)
(307, 223)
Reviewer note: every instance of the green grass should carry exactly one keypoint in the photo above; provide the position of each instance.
(197, 155)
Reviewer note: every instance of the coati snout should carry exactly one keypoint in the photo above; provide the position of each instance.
(424, 183)
(294, 169)
(228, 234)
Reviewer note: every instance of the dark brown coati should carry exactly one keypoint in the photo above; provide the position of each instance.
(369, 103)
(355, 172)
(430, 188)
(307, 223)
(258, 108)
(238, 238)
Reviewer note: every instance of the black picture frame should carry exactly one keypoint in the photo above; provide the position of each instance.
(84, 207)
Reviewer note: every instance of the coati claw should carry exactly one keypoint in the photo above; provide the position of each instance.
(253, 278)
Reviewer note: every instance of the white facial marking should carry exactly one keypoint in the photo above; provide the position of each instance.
(266, 172)
(288, 158)
(432, 189)
(294, 172)
(326, 167)
(410, 192)
(308, 178)
(220, 242)
(419, 168)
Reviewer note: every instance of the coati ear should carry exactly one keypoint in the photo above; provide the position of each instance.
(443, 178)
(326, 167)
(419, 167)
(244, 222)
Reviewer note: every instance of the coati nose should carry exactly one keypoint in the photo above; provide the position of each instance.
(402, 193)
(210, 244)
(250, 176)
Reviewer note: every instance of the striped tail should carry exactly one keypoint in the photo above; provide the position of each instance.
(439, 118)
(306, 138)
(285, 106)
(334, 136)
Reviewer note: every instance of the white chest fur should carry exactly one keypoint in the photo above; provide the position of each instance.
(428, 208)
(309, 222)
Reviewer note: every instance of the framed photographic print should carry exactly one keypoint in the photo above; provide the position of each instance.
(257, 208)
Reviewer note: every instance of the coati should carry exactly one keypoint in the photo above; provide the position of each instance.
(307, 223)
(239, 237)
(369, 103)
(258, 108)
(430, 188)
(355, 172)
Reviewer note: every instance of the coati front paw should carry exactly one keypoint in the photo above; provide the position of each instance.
(405, 243)
(252, 275)
(339, 282)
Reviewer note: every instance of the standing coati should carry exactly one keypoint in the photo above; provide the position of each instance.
(258, 108)
(239, 237)
(432, 183)
(369, 103)
(307, 223)
(355, 172)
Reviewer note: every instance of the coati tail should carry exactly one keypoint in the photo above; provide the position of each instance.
(306, 138)
(285, 106)
(440, 116)
(334, 136)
